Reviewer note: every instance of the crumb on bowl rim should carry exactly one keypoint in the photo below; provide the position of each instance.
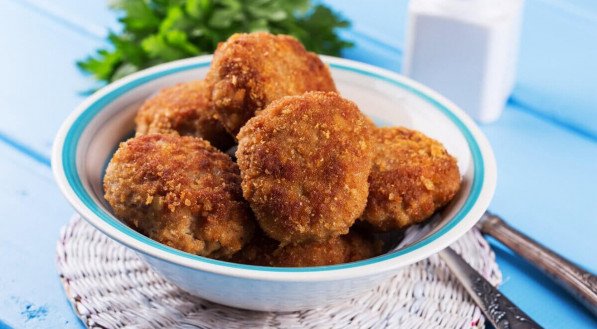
(64, 166)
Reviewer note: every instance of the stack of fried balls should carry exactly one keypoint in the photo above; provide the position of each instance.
(264, 163)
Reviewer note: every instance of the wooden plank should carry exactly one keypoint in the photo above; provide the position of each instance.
(33, 211)
(40, 83)
(557, 67)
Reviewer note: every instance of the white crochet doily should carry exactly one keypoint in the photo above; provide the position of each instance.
(109, 286)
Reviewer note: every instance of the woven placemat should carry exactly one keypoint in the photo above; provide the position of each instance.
(109, 286)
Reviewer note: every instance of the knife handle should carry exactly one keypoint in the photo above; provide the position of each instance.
(498, 309)
(579, 282)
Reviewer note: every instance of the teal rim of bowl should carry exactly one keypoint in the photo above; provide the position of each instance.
(69, 156)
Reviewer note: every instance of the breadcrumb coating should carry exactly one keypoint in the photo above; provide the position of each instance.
(182, 109)
(249, 71)
(304, 164)
(412, 176)
(179, 191)
(348, 248)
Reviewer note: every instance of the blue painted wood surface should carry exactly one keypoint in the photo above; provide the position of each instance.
(545, 143)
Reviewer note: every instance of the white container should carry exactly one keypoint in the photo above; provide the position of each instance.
(466, 50)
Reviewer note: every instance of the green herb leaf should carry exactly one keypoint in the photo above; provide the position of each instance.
(137, 15)
(198, 8)
(102, 65)
(157, 31)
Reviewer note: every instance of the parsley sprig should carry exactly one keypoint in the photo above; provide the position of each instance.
(158, 31)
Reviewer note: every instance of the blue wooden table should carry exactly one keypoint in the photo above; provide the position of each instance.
(545, 143)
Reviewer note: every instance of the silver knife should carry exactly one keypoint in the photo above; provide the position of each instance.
(498, 309)
(579, 282)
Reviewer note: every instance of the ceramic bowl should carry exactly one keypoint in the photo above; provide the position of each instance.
(90, 135)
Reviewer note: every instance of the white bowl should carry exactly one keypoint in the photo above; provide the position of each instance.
(89, 136)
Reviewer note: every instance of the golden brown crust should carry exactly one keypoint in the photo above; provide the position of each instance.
(249, 71)
(304, 164)
(182, 109)
(412, 176)
(179, 191)
(337, 250)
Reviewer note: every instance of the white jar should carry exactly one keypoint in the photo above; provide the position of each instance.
(466, 50)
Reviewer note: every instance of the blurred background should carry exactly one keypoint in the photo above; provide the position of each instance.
(545, 140)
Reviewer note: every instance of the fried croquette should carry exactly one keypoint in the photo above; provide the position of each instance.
(412, 176)
(182, 109)
(304, 164)
(249, 71)
(179, 191)
(264, 251)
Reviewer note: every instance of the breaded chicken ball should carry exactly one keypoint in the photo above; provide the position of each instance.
(179, 191)
(304, 164)
(412, 176)
(182, 109)
(337, 250)
(249, 71)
